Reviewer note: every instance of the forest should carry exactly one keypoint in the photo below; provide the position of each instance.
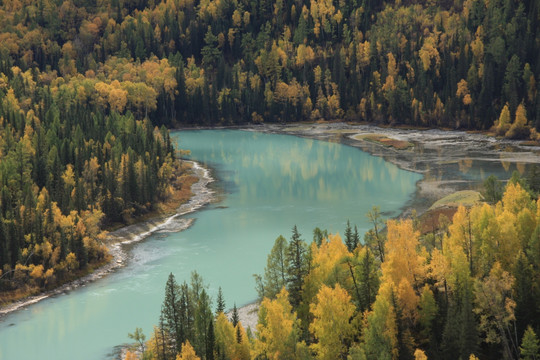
(77, 155)
(466, 290)
(470, 64)
(89, 88)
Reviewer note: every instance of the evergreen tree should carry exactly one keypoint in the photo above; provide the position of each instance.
(171, 312)
(298, 267)
(220, 307)
(356, 237)
(234, 317)
(203, 319)
(210, 341)
(349, 239)
(530, 349)
(319, 235)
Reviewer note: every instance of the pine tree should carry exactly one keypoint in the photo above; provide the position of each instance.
(356, 237)
(530, 349)
(234, 317)
(349, 239)
(210, 341)
(220, 307)
(203, 317)
(319, 235)
(297, 267)
(171, 312)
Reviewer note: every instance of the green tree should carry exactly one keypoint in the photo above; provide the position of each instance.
(297, 261)
(139, 337)
(220, 302)
(171, 314)
(234, 316)
(493, 189)
(530, 349)
(275, 272)
(349, 238)
(210, 52)
(319, 235)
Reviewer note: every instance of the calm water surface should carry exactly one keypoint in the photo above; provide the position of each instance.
(270, 183)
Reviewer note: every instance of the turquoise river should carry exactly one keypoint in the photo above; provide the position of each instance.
(268, 183)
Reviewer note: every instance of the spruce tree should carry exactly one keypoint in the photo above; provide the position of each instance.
(234, 317)
(220, 307)
(297, 267)
(210, 341)
(171, 312)
(356, 237)
(349, 240)
(530, 349)
(203, 317)
(319, 235)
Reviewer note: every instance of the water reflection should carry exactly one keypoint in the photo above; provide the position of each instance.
(301, 169)
(272, 182)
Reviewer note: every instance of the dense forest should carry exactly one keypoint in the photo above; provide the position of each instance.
(458, 64)
(88, 89)
(71, 163)
(468, 289)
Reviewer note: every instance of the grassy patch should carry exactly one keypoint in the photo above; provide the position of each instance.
(465, 198)
(385, 141)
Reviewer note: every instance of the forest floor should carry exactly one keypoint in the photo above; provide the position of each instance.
(167, 218)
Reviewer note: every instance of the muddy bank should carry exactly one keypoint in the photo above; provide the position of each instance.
(116, 240)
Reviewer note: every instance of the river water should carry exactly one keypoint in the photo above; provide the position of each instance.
(268, 183)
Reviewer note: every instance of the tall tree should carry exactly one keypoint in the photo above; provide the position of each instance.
(297, 260)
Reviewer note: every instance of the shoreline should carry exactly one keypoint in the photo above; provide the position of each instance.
(427, 145)
(433, 153)
(426, 157)
(201, 195)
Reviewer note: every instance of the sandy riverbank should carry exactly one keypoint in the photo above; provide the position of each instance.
(202, 195)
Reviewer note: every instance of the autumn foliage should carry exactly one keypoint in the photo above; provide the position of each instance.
(472, 295)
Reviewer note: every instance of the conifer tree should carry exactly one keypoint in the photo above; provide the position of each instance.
(210, 341)
(234, 316)
(297, 267)
(220, 306)
(530, 349)
(171, 313)
(356, 237)
(349, 238)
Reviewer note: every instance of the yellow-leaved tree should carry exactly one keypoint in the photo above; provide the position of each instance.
(187, 353)
(331, 325)
(519, 128)
(404, 267)
(277, 330)
(225, 336)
